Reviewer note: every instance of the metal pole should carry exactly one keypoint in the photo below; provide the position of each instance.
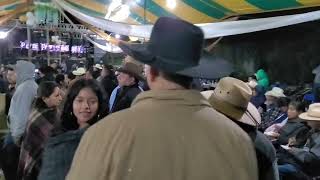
(29, 42)
(48, 52)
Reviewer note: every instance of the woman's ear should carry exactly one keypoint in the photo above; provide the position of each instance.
(44, 99)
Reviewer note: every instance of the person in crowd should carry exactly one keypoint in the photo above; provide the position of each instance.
(46, 74)
(258, 98)
(20, 106)
(97, 68)
(64, 66)
(79, 74)
(316, 84)
(273, 111)
(43, 118)
(262, 79)
(128, 82)
(74, 67)
(3, 84)
(304, 162)
(70, 77)
(108, 80)
(85, 104)
(295, 129)
(283, 104)
(12, 80)
(62, 83)
(171, 131)
(92, 74)
(231, 97)
(54, 65)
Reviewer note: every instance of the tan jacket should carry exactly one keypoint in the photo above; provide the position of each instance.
(165, 135)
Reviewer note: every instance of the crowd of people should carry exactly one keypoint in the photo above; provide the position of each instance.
(144, 121)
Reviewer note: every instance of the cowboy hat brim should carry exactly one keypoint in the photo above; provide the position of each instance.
(273, 94)
(252, 116)
(225, 108)
(142, 53)
(306, 117)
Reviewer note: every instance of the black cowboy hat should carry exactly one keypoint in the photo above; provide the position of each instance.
(175, 45)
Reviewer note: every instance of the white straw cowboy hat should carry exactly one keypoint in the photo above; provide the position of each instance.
(313, 113)
(98, 66)
(275, 92)
(231, 97)
(79, 72)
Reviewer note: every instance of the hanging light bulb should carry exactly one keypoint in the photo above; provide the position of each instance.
(133, 38)
(3, 34)
(171, 4)
(117, 11)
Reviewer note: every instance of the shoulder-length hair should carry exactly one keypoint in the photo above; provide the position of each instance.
(68, 119)
(45, 89)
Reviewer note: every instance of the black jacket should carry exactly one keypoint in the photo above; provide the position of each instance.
(58, 155)
(294, 128)
(265, 152)
(125, 96)
(109, 83)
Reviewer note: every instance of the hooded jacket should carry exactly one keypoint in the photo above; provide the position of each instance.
(21, 102)
(262, 78)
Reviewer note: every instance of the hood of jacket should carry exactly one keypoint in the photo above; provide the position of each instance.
(261, 74)
(25, 71)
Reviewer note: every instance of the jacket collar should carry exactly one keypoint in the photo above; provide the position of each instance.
(179, 97)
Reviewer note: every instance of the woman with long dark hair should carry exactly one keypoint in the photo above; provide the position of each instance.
(85, 104)
(42, 120)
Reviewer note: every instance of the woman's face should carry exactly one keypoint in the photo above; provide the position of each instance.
(54, 99)
(85, 106)
(292, 112)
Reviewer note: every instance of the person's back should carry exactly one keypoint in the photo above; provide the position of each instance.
(169, 132)
(266, 156)
(189, 140)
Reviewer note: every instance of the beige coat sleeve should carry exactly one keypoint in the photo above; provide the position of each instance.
(100, 147)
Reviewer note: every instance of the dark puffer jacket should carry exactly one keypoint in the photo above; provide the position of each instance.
(58, 155)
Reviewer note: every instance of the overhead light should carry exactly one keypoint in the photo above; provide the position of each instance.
(171, 4)
(117, 36)
(117, 11)
(3, 34)
(133, 38)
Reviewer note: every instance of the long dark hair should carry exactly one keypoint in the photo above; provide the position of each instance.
(68, 119)
(299, 106)
(45, 89)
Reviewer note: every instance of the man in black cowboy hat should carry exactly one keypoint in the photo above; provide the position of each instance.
(169, 132)
(128, 87)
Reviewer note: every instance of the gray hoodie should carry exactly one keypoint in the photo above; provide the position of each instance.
(316, 71)
(22, 99)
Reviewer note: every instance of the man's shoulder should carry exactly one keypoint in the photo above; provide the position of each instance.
(29, 83)
(115, 119)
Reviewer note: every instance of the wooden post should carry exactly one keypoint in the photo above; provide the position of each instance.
(29, 42)
(48, 52)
